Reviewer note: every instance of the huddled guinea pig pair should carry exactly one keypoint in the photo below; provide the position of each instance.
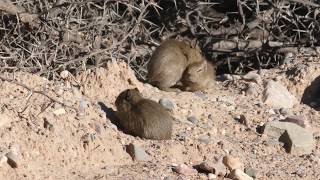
(176, 62)
(172, 62)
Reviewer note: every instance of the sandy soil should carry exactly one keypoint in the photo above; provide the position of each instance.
(58, 142)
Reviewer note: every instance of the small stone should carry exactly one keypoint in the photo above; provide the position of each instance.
(201, 95)
(82, 108)
(64, 74)
(277, 96)
(47, 124)
(252, 76)
(192, 119)
(251, 90)
(4, 120)
(299, 120)
(13, 159)
(3, 159)
(166, 103)
(212, 176)
(243, 120)
(137, 153)
(184, 169)
(204, 139)
(220, 168)
(232, 162)
(239, 175)
(59, 111)
(251, 172)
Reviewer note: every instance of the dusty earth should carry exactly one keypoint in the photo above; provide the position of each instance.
(58, 142)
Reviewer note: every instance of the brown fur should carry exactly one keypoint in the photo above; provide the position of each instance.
(198, 76)
(169, 61)
(142, 117)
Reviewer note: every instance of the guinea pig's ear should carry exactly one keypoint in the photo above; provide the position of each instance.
(129, 95)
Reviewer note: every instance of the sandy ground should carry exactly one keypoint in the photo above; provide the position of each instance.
(58, 142)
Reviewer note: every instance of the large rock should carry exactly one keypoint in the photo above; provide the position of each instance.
(297, 140)
(277, 96)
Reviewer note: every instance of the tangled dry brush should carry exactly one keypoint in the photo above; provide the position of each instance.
(46, 37)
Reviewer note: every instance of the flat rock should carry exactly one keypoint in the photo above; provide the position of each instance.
(239, 175)
(277, 96)
(166, 103)
(232, 162)
(184, 169)
(59, 111)
(297, 119)
(137, 153)
(296, 139)
(13, 159)
(252, 76)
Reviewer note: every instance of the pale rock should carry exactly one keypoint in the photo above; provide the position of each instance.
(277, 96)
(4, 120)
(59, 111)
(137, 153)
(64, 74)
(184, 169)
(297, 119)
(232, 162)
(239, 175)
(252, 76)
(212, 176)
(297, 140)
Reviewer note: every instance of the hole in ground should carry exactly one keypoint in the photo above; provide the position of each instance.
(311, 95)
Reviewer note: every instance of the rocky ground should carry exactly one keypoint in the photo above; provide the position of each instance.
(217, 133)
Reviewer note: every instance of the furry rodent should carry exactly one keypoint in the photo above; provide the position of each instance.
(198, 76)
(142, 117)
(169, 61)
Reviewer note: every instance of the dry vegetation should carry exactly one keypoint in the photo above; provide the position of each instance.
(46, 37)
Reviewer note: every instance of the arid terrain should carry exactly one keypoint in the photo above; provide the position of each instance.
(58, 142)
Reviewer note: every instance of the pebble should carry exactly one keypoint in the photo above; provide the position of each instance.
(166, 103)
(252, 76)
(4, 120)
(277, 96)
(137, 153)
(192, 119)
(239, 175)
(59, 111)
(13, 159)
(3, 159)
(232, 162)
(64, 74)
(251, 90)
(184, 169)
(212, 176)
(250, 171)
(297, 119)
(82, 108)
(204, 139)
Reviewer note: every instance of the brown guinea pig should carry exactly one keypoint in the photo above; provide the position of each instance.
(198, 76)
(169, 61)
(142, 117)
